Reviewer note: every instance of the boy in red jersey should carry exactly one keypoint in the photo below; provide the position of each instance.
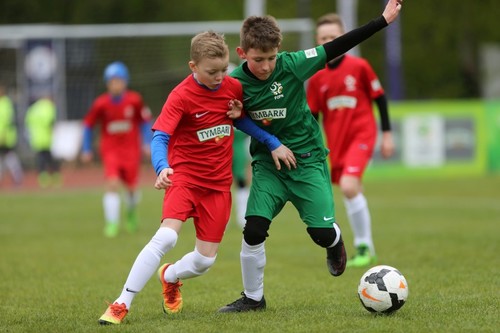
(193, 136)
(344, 92)
(123, 117)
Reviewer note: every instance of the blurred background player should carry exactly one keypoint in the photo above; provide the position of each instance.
(344, 93)
(241, 174)
(125, 125)
(40, 120)
(241, 169)
(8, 138)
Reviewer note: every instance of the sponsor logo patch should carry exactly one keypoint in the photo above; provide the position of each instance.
(216, 132)
(311, 53)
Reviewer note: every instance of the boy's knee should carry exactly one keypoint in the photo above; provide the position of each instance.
(324, 237)
(255, 231)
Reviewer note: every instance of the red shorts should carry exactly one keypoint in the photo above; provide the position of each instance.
(353, 163)
(125, 169)
(210, 209)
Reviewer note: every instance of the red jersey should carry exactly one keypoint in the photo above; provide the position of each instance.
(120, 123)
(345, 95)
(201, 134)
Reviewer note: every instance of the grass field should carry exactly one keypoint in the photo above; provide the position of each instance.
(57, 270)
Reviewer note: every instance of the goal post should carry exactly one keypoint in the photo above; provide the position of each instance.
(72, 57)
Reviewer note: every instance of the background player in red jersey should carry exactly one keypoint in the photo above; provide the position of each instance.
(193, 136)
(344, 92)
(123, 117)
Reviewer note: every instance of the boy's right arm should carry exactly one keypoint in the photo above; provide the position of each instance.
(347, 41)
(159, 153)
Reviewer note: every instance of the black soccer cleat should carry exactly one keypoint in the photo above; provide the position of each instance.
(244, 304)
(336, 258)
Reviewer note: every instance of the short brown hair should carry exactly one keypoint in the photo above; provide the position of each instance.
(330, 18)
(208, 44)
(260, 32)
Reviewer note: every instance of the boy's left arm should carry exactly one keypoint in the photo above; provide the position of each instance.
(277, 149)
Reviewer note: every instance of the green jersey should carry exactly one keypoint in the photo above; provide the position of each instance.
(279, 106)
(8, 133)
(40, 119)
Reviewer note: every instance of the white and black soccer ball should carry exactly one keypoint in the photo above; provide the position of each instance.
(383, 289)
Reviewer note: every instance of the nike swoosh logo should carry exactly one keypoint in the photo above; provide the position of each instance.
(199, 115)
(366, 295)
(246, 99)
(131, 291)
(327, 218)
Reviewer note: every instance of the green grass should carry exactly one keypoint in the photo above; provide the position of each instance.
(57, 271)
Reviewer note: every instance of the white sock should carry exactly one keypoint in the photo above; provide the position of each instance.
(253, 261)
(111, 205)
(191, 265)
(147, 263)
(360, 220)
(241, 205)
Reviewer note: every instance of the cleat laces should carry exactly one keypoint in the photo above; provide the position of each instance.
(171, 292)
(118, 310)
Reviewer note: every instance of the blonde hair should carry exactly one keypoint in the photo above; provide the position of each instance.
(208, 44)
(330, 18)
(261, 33)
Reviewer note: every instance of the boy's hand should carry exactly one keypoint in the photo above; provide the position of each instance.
(392, 10)
(162, 181)
(286, 155)
(235, 107)
(387, 146)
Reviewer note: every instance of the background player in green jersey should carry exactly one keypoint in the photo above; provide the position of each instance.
(40, 120)
(8, 138)
(275, 99)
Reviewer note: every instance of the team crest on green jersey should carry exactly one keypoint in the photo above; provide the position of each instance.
(217, 133)
(277, 90)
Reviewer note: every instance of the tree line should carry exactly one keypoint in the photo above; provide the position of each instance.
(441, 40)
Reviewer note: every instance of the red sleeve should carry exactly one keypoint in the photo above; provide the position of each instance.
(146, 115)
(94, 114)
(171, 114)
(374, 87)
(312, 94)
(143, 113)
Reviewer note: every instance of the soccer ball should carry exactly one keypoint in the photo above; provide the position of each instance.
(383, 289)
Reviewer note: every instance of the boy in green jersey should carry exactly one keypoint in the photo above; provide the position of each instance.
(274, 98)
